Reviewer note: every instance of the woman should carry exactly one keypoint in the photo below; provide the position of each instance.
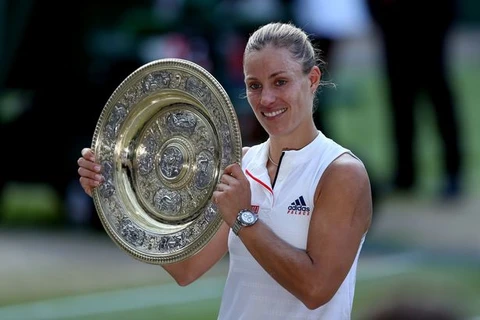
(297, 258)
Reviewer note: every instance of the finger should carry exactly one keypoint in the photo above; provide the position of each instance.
(216, 196)
(88, 185)
(89, 165)
(214, 199)
(227, 179)
(235, 171)
(88, 154)
(91, 175)
(221, 187)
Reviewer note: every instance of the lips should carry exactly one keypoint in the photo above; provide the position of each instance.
(275, 113)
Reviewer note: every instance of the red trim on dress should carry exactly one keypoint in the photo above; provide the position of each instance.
(259, 181)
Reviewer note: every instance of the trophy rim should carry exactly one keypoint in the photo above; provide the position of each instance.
(115, 209)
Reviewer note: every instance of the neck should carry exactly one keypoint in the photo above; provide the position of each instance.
(294, 141)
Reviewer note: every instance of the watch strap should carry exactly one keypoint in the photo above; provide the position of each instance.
(236, 227)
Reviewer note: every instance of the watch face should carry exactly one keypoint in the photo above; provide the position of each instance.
(248, 217)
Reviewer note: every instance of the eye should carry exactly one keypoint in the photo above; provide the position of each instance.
(280, 82)
(254, 86)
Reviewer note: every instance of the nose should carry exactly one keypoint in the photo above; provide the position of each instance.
(267, 97)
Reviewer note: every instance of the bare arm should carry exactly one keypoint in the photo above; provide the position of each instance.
(189, 270)
(341, 217)
(184, 272)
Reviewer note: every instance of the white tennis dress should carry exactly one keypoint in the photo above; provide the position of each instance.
(250, 293)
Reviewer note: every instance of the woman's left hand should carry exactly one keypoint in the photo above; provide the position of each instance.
(232, 193)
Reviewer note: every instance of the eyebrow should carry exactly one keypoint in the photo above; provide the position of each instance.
(273, 75)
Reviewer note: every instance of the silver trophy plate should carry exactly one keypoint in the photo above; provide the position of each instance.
(163, 139)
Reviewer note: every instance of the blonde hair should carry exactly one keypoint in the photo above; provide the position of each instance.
(290, 37)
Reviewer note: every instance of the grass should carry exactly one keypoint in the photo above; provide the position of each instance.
(201, 310)
(452, 285)
(30, 204)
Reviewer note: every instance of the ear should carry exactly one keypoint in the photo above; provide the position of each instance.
(315, 76)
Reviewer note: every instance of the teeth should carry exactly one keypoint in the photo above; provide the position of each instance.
(274, 113)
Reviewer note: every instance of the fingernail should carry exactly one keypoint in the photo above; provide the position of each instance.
(98, 177)
(97, 168)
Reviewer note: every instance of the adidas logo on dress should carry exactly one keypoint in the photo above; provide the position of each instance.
(299, 207)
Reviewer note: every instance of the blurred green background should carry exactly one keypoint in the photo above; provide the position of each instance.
(57, 261)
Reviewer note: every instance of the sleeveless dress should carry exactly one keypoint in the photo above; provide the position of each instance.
(250, 293)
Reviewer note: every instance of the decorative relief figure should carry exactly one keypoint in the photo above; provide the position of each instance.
(168, 202)
(182, 121)
(107, 188)
(116, 119)
(132, 234)
(156, 80)
(198, 89)
(171, 162)
(152, 243)
(172, 242)
(146, 157)
(145, 163)
(176, 80)
(204, 172)
(132, 95)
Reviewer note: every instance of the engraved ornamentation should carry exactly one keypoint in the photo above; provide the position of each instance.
(172, 242)
(198, 89)
(146, 158)
(171, 162)
(107, 189)
(182, 121)
(205, 167)
(168, 202)
(176, 80)
(116, 119)
(145, 163)
(131, 233)
(156, 80)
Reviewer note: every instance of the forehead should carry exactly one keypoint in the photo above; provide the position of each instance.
(270, 60)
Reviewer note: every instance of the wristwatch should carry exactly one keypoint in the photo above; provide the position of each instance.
(245, 218)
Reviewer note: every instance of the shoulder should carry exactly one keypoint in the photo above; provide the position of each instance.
(345, 190)
(244, 150)
(345, 172)
(347, 161)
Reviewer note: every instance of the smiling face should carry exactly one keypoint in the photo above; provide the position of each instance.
(279, 92)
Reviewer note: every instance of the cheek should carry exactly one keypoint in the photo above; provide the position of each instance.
(251, 98)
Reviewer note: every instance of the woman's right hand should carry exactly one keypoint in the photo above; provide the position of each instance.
(89, 171)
